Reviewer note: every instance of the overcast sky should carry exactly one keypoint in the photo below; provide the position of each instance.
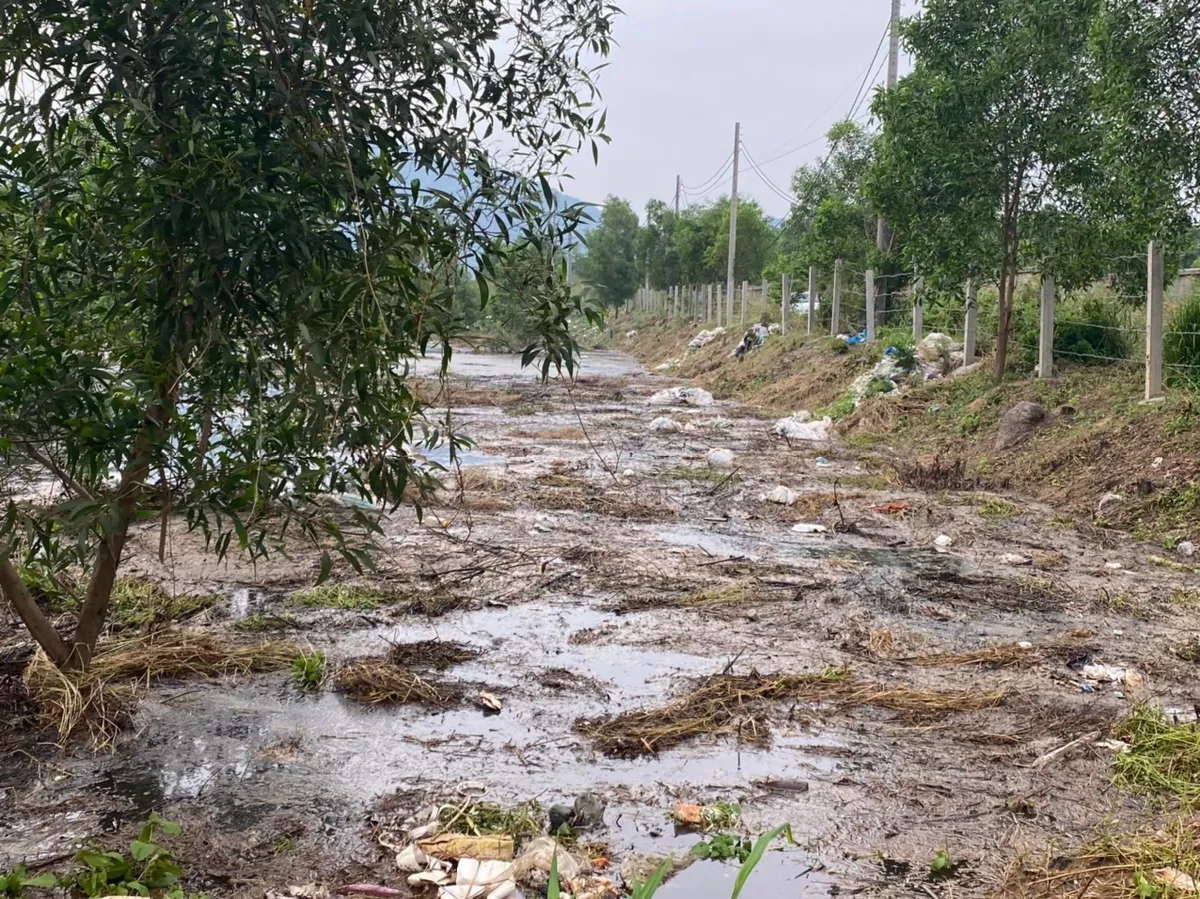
(684, 71)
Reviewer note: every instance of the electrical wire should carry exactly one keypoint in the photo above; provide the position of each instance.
(725, 166)
(779, 191)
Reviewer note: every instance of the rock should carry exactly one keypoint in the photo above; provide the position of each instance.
(720, 459)
(455, 846)
(968, 370)
(560, 815)
(1186, 548)
(1019, 423)
(588, 811)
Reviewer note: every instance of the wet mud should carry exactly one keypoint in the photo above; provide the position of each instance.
(592, 567)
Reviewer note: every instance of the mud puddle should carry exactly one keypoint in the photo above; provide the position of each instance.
(603, 569)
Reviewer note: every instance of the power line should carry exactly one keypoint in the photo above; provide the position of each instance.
(874, 81)
(866, 73)
(725, 166)
(779, 191)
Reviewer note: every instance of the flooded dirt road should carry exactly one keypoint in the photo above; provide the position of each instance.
(596, 569)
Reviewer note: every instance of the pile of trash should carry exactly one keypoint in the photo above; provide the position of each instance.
(493, 865)
(682, 396)
(800, 426)
(752, 339)
(704, 338)
(669, 365)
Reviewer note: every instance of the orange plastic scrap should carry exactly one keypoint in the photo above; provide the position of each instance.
(891, 508)
(692, 815)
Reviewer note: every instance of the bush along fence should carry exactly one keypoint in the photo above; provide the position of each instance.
(1098, 326)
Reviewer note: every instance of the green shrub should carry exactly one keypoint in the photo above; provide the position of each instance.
(1094, 334)
(1181, 344)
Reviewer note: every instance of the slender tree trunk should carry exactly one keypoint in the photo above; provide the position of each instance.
(39, 625)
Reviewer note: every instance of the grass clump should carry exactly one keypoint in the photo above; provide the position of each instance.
(1163, 757)
(1181, 344)
(839, 409)
(309, 669)
(342, 596)
(522, 822)
(994, 508)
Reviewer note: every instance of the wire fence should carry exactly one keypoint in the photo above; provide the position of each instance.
(1109, 323)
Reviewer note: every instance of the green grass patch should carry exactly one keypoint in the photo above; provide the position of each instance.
(309, 669)
(342, 596)
(703, 475)
(837, 410)
(521, 822)
(1163, 757)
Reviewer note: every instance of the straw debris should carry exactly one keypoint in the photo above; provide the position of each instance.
(991, 657)
(434, 655)
(378, 681)
(739, 704)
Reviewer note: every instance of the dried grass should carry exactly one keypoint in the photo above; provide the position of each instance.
(72, 702)
(739, 704)
(991, 657)
(937, 475)
(379, 681)
(431, 654)
(560, 433)
(607, 504)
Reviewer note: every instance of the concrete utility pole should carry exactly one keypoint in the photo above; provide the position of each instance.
(733, 200)
(883, 234)
(1154, 322)
(678, 191)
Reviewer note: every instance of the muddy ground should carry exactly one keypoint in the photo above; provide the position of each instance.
(600, 568)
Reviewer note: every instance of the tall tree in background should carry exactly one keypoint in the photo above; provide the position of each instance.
(611, 265)
(217, 249)
(656, 248)
(993, 128)
(755, 241)
(831, 219)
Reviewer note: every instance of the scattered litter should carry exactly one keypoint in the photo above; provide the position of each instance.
(312, 891)
(822, 462)
(629, 473)
(890, 508)
(721, 816)
(942, 543)
(455, 846)
(489, 702)
(1113, 566)
(801, 427)
(1103, 674)
(773, 328)
(804, 528)
(755, 337)
(663, 424)
(411, 859)
(1114, 745)
(784, 496)
(437, 878)
(1157, 464)
(669, 365)
(689, 396)
(631, 333)
(1024, 644)
(640, 868)
(537, 857)
(1186, 548)
(936, 348)
(1015, 559)
(1108, 499)
(1176, 880)
(855, 339)
(720, 424)
(704, 338)
(720, 459)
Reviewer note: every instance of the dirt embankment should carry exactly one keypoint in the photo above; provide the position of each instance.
(1101, 455)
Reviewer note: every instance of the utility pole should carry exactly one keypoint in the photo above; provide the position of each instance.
(883, 234)
(737, 145)
(678, 191)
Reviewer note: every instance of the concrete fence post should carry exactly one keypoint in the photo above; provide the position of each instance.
(708, 297)
(783, 304)
(766, 298)
(1046, 336)
(812, 297)
(1155, 285)
(745, 290)
(835, 311)
(870, 298)
(972, 325)
(720, 303)
(918, 311)
(729, 292)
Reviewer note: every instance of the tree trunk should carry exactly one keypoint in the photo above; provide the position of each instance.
(39, 626)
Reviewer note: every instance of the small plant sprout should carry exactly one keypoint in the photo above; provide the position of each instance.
(309, 669)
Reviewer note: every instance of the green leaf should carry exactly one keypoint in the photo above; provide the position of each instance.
(552, 891)
(140, 850)
(756, 854)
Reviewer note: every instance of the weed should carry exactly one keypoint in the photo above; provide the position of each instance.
(1188, 597)
(1062, 523)
(1172, 565)
(13, 883)
(341, 596)
(1179, 424)
(1163, 757)
(723, 847)
(521, 822)
(148, 866)
(994, 508)
(309, 669)
(968, 425)
(284, 845)
(943, 866)
(839, 409)
(1181, 343)
(838, 346)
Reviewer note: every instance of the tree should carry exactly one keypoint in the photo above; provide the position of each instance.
(755, 241)
(218, 250)
(991, 144)
(831, 218)
(611, 266)
(656, 246)
(696, 232)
